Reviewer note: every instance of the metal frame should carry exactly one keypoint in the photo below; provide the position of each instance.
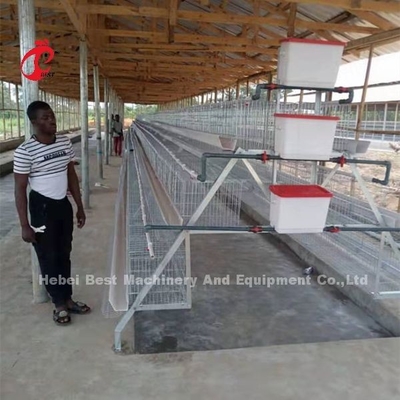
(184, 235)
(177, 243)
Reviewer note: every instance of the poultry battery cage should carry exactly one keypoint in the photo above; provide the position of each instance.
(192, 171)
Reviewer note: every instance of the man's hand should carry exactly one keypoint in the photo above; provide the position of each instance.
(28, 234)
(81, 217)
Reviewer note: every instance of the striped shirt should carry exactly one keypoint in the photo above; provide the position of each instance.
(46, 164)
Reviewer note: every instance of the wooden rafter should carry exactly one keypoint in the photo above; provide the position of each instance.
(226, 18)
(292, 20)
(142, 47)
(362, 5)
(374, 19)
(366, 5)
(78, 22)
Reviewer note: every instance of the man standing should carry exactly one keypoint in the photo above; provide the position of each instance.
(46, 162)
(118, 135)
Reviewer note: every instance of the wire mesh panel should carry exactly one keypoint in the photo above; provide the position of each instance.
(156, 161)
(252, 123)
(245, 120)
(170, 289)
(177, 169)
(354, 254)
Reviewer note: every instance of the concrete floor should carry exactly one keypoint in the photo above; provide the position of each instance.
(42, 361)
(236, 316)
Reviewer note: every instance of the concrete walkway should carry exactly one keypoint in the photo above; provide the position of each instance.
(43, 361)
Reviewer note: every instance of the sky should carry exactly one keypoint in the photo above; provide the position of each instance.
(383, 69)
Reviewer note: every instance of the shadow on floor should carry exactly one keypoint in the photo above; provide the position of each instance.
(236, 316)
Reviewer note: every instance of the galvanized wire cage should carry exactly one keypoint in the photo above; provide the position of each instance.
(252, 124)
(163, 191)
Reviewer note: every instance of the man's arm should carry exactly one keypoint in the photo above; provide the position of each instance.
(73, 186)
(21, 202)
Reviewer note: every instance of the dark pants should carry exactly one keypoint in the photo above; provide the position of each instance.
(53, 247)
(118, 145)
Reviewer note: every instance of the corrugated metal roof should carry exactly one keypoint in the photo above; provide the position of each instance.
(319, 12)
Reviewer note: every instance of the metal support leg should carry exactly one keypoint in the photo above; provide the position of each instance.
(274, 172)
(188, 268)
(374, 207)
(379, 266)
(256, 178)
(330, 175)
(314, 173)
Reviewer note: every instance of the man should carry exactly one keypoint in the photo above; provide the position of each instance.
(46, 162)
(118, 135)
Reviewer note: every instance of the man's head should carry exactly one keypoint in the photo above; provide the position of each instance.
(117, 117)
(112, 117)
(42, 118)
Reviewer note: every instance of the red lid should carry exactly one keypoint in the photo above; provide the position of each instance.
(307, 116)
(314, 41)
(300, 191)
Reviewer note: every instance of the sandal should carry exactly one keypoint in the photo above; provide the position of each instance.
(61, 317)
(79, 308)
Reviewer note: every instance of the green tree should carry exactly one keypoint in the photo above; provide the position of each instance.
(8, 97)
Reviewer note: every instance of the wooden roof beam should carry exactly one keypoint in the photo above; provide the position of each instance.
(79, 24)
(362, 5)
(230, 18)
(375, 19)
(238, 19)
(172, 19)
(134, 58)
(126, 8)
(292, 20)
(188, 48)
(39, 27)
(156, 36)
(377, 40)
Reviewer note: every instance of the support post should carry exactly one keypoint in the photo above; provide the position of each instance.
(385, 116)
(111, 111)
(84, 122)
(30, 90)
(96, 84)
(360, 115)
(106, 123)
(18, 110)
(364, 93)
(301, 99)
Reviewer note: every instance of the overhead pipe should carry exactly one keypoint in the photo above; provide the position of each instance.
(264, 157)
(274, 86)
(268, 228)
(384, 163)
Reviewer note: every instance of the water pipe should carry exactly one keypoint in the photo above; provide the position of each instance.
(266, 157)
(268, 228)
